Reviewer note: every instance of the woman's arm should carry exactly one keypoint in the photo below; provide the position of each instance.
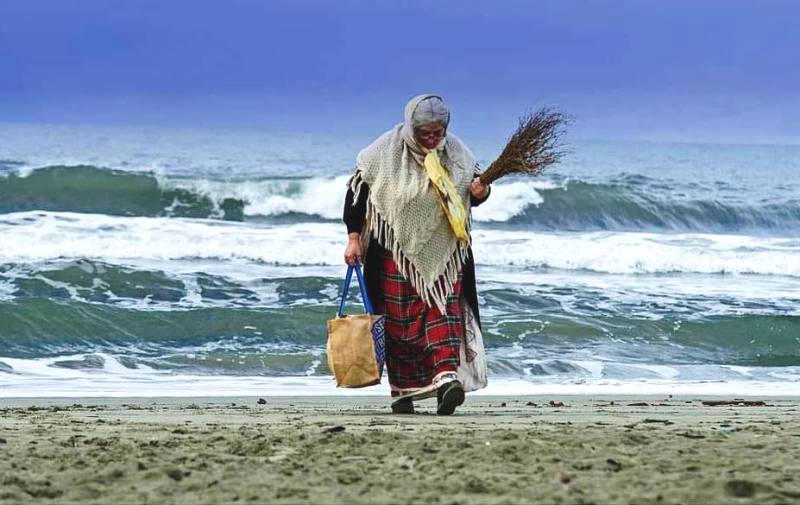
(479, 192)
(354, 216)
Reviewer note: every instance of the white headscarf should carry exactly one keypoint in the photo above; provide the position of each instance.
(422, 110)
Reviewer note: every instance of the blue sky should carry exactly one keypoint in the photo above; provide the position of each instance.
(674, 70)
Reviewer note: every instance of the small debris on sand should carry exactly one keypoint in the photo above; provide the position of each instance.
(738, 403)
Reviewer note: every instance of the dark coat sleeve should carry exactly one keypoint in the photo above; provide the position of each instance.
(469, 286)
(468, 280)
(354, 215)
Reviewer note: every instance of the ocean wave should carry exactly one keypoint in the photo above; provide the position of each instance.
(639, 252)
(90, 189)
(11, 165)
(319, 197)
(133, 383)
(104, 191)
(41, 326)
(38, 236)
(147, 288)
(215, 324)
(624, 204)
(535, 341)
(631, 205)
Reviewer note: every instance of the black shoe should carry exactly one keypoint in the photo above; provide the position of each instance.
(449, 396)
(403, 406)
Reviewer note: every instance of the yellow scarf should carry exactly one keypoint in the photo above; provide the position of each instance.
(451, 201)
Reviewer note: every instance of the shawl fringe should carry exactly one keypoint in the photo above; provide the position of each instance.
(377, 227)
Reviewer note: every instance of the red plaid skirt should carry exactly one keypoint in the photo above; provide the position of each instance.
(421, 342)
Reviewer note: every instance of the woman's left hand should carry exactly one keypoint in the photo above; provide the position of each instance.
(478, 189)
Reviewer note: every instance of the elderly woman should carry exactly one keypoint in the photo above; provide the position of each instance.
(408, 220)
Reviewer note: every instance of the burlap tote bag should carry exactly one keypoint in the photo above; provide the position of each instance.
(356, 348)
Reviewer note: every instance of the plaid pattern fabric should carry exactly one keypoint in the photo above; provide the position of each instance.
(421, 342)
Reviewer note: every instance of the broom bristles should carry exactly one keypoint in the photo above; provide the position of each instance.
(532, 148)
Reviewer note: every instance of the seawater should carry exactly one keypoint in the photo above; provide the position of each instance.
(159, 261)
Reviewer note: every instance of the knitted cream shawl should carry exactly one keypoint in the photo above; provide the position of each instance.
(404, 211)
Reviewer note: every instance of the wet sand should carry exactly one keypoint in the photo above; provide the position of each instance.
(352, 450)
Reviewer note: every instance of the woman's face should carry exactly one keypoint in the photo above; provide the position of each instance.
(429, 135)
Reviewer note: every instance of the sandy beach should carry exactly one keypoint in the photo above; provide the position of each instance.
(351, 450)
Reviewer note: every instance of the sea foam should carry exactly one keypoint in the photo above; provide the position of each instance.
(36, 236)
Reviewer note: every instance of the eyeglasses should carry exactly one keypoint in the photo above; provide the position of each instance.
(440, 134)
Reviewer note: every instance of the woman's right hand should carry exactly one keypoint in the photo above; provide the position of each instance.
(352, 253)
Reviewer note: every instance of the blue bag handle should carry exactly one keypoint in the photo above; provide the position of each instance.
(361, 285)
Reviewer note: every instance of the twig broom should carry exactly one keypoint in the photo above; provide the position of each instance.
(533, 147)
